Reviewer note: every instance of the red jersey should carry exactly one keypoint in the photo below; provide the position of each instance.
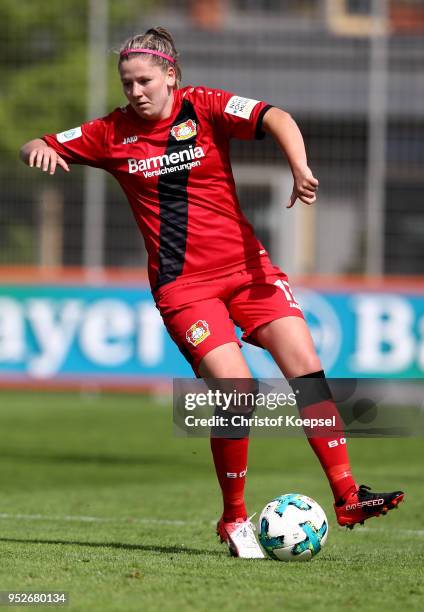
(177, 176)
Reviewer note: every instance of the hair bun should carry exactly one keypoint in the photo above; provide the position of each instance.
(162, 33)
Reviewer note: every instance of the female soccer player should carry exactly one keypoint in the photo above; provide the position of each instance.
(169, 150)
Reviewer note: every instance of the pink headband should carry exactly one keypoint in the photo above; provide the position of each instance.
(149, 51)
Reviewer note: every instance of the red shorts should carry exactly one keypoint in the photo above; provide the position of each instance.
(201, 315)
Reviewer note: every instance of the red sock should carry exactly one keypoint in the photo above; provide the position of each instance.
(331, 451)
(230, 458)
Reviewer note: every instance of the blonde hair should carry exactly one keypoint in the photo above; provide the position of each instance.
(157, 39)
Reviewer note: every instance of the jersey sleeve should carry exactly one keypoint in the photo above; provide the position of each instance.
(239, 117)
(85, 144)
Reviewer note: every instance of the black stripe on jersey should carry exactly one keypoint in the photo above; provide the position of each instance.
(173, 202)
(259, 133)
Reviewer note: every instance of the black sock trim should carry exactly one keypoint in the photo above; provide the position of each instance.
(319, 374)
(310, 389)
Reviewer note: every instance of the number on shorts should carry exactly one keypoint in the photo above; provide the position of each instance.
(285, 288)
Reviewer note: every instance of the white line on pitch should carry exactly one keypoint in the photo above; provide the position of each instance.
(152, 521)
(97, 519)
(393, 531)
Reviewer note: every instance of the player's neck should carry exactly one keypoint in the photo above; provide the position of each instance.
(167, 109)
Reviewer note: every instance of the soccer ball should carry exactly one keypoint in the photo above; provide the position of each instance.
(292, 527)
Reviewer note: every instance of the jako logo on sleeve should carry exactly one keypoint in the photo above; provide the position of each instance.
(240, 107)
(130, 140)
(69, 134)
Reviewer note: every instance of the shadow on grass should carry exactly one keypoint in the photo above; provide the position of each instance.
(119, 546)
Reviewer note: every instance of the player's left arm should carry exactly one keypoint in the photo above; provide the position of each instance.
(282, 127)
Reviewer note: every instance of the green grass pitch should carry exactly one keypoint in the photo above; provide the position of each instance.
(99, 499)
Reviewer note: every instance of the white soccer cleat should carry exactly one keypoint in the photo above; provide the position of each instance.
(240, 538)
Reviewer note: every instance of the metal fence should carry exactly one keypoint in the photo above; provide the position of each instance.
(350, 72)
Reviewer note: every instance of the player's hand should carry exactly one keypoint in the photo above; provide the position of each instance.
(305, 186)
(46, 159)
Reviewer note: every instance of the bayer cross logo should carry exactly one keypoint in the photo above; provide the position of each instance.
(198, 332)
(185, 130)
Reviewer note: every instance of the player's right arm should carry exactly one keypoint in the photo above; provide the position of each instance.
(85, 144)
(37, 154)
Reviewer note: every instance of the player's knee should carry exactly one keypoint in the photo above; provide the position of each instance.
(304, 364)
(236, 407)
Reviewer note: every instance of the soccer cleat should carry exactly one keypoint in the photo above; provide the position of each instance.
(362, 504)
(240, 538)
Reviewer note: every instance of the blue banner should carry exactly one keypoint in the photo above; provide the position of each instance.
(76, 332)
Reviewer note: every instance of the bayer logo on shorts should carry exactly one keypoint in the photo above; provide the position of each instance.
(324, 325)
(198, 332)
